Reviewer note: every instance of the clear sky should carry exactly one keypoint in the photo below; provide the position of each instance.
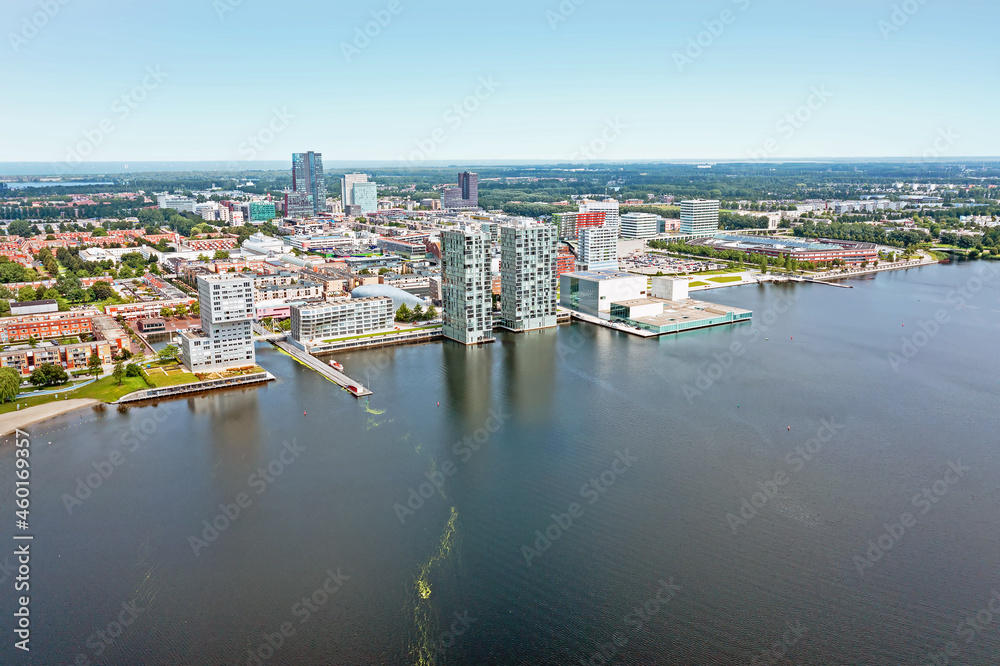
(923, 84)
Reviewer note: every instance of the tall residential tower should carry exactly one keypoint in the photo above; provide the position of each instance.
(466, 288)
(528, 276)
(225, 339)
(700, 216)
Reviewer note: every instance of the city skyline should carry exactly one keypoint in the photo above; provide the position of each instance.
(854, 80)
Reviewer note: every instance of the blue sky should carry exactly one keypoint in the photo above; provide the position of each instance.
(230, 70)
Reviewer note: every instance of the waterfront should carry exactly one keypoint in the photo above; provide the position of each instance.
(684, 427)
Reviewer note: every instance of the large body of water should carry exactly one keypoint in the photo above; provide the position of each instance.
(634, 456)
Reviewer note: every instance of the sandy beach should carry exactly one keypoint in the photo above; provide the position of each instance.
(32, 415)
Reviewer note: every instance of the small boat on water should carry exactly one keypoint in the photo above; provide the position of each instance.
(336, 366)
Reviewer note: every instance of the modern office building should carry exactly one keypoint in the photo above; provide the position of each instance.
(612, 215)
(598, 250)
(225, 339)
(527, 276)
(347, 183)
(466, 287)
(593, 292)
(640, 225)
(307, 178)
(365, 195)
(319, 320)
(176, 202)
(700, 216)
(299, 205)
(463, 197)
(262, 211)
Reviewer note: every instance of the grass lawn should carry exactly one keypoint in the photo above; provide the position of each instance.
(698, 284)
(731, 278)
(171, 374)
(105, 389)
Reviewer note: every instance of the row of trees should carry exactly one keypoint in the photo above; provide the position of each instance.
(416, 314)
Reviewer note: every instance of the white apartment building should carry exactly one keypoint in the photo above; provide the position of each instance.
(598, 250)
(700, 216)
(610, 208)
(528, 276)
(226, 338)
(466, 286)
(178, 203)
(640, 225)
(336, 319)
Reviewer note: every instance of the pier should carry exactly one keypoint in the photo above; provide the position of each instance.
(353, 387)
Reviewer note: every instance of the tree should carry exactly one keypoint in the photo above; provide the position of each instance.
(181, 310)
(25, 294)
(103, 290)
(10, 384)
(95, 366)
(166, 312)
(168, 353)
(196, 309)
(133, 370)
(119, 371)
(763, 265)
(221, 254)
(418, 314)
(32, 341)
(48, 374)
(403, 313)
(431, 313)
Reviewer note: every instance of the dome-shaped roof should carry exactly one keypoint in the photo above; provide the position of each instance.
(398, 296)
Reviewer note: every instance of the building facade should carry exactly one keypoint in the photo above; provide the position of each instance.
(366, 196)
(466, 287)
(610, 208)
(700, 216)
(598, 249)
(465, 196)
(527, 276)
(336, 319)
(640, 225)
(307, 178)
(225, 339)
(347, 183)
(593, 292)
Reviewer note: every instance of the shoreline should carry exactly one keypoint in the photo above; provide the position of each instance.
(24, 418)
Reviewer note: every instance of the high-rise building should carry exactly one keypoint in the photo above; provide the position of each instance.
(528, 276)
(262, 211)
(640, 225)
(298, 205)
(466, 287)
(612, 215)
(700, 216)
(463, 197)
(307, 177)
(365, 195)
(347, 182)
(598, 250)
(225, 339)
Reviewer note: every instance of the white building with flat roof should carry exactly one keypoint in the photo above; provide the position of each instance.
(598, 250)
(610, 208)
(700, 216)
(593, 292)
(640, 225)
(225, 339)
(319, 320)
